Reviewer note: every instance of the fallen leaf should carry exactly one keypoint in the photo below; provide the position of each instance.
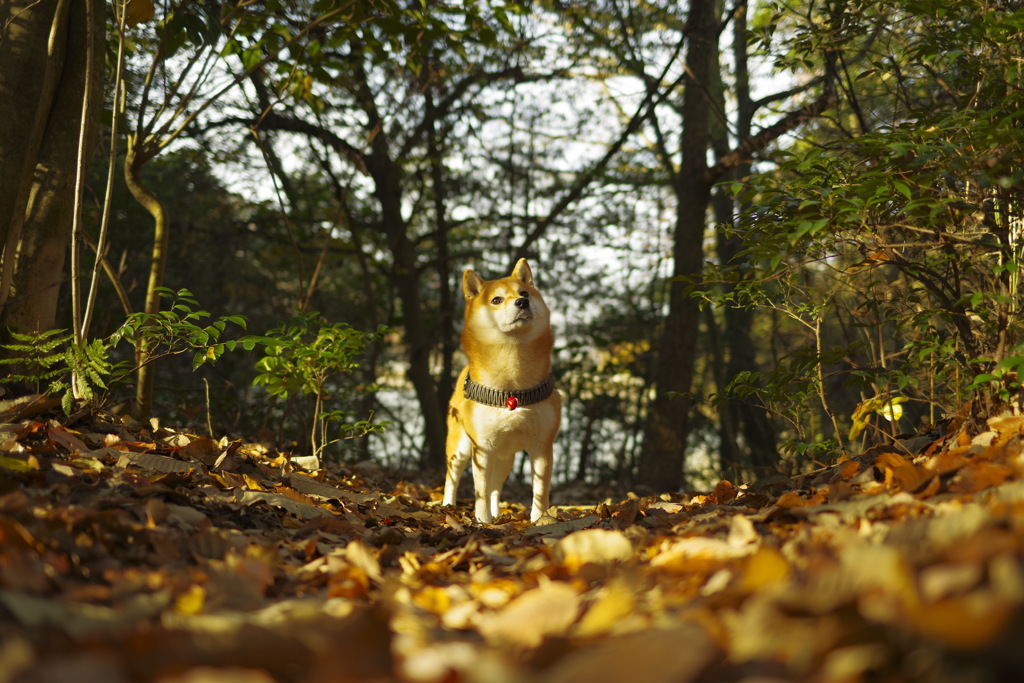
(978, 475)
(593, 546)
(297, 508)
(697, 554)
(675, 655)
(312, 487)
(66, 440)
(725, 492)
(964, 623)
(26, 407)
(154, 462)
(902, 473)
(766, 569)
(947, 461)
(547, 610)
(562, 528)
(14, 464)
(191, 601)
(611, 606)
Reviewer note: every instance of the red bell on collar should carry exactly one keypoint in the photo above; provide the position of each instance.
(512, 402)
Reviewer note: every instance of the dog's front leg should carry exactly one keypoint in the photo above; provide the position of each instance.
(540, 467)
(459, 448)
(485, 512)
(451, 480)
(490, 470)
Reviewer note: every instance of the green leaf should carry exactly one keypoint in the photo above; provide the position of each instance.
(903, 188)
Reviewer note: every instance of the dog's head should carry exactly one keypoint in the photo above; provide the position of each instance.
(511, 306)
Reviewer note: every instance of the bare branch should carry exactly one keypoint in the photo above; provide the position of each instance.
(746, 150)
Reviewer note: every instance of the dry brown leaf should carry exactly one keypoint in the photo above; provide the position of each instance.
(593, 546)
(312, 487)
(25, 407)
(901, 473)
(562, 528)
(741, 531)
(359, 555)
(547, 610)
(154, 462)
(965, 622)
(846, 470)
(766, 569)
(944, 580)
(201, 448)
(697, 554)
(725, 492)
(948, 461)
(348, 582)
(297, 508)
(66, 440)
(675, 655)
(626, 513)
(979, 474)
(611, 608)
(1007, 425)
(791, 499)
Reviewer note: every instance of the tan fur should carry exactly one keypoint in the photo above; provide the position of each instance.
(508, 349)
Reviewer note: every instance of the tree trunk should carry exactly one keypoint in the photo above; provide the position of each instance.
(387, 179)
(738, 417)
(388, 189)
(449, 339)
(663, 456)
(44, 50)
(134, 161)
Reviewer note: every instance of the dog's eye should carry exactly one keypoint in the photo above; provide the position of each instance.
(524, 294)
(497, 300)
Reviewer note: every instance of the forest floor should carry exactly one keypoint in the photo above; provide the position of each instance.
(130, 552)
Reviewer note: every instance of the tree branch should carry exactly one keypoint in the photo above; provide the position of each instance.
(652, 99)
(277, 122)
(746, 150)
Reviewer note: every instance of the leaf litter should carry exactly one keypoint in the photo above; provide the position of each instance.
(131, 552)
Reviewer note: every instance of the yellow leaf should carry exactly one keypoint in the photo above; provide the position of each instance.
(548, 609)
(191, 601)
(138, 11)
(887, 406)
(979, 474)
(14, 464)
(902, 472)
(891, 410)
(765, 568)
(966, 622)
(613, 604)
(593, 546)
(791, 499)
(432, 599)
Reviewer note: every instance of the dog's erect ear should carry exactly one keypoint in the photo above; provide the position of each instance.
(471, 284)
(523, 272)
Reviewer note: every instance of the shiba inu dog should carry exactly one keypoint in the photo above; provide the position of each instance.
(504, 400)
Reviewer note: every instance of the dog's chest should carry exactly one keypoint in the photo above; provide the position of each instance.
(517, 429)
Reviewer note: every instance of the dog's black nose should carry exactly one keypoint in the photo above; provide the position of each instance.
(523, 303)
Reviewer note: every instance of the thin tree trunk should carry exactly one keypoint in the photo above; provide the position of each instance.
(449, 341)
(387, 178)
(738, 417)
(388, 189)
(134, 161)
(663, 456)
